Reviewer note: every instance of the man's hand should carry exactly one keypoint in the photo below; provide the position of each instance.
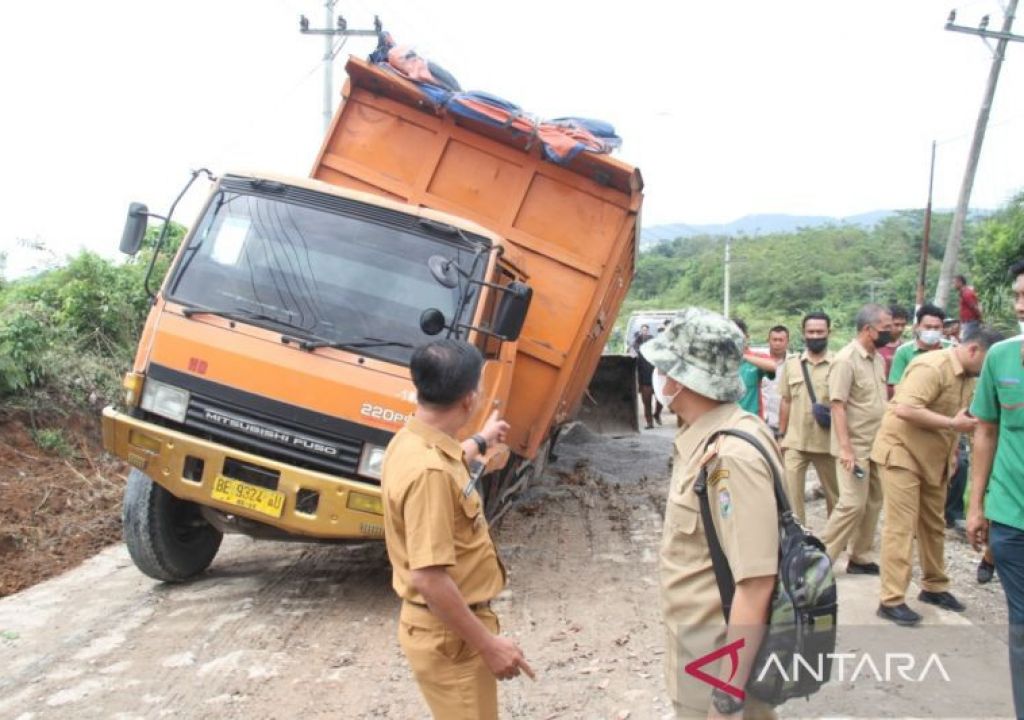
(504, 658)
(963, 422)
(977, 528)
(846, 458)
(495, 429)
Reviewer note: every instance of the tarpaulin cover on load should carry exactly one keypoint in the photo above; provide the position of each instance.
(560, 139)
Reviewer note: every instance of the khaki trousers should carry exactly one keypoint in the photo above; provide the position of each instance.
(855, 517)
(797, 462)
(453, 678)
(912, 506)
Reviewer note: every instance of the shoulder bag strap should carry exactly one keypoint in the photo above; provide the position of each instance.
(723, 573)
(807, 380)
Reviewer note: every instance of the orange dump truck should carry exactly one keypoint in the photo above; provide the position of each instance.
(273, 367)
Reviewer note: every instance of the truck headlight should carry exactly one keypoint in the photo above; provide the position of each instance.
(164, 400)
(371, 461)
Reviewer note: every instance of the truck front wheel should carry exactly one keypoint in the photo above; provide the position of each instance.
(167, 538)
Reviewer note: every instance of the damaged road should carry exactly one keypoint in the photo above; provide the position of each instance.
(277, 630)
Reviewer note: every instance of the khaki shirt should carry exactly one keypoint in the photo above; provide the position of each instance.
(742, 501)
(935, 381)
(858, 379)
(802, 432)
(433, 517)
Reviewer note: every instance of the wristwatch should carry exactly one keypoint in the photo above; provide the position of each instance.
(725, 703)
(481, 443)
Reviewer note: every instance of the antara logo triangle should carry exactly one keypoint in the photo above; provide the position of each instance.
(733, 651)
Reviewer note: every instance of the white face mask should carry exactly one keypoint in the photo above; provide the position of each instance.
(930, 337)
(658, 381)
(1021, 323)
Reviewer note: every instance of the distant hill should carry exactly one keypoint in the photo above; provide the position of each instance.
(762, 224)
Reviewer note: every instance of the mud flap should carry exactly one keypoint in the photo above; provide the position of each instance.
(609, 406)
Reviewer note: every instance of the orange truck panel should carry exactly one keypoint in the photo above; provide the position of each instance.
(572, 230)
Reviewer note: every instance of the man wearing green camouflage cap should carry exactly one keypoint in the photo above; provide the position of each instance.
(696, 374)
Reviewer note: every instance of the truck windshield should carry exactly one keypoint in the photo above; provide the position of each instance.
(318, 270)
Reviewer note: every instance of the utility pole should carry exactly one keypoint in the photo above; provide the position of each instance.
(956, 231)
(728, 242)
(330, 31)
(922, 276)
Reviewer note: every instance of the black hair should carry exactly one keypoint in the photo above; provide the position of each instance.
(779, 328)
(445, 371)
(740, 324)
(817, 315)
(898, 311)
(983, 336)
(961, 278)
(1016, 270)
(931, 311)
(950, 321)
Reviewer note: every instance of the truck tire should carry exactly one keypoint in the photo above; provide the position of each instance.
(167, 538)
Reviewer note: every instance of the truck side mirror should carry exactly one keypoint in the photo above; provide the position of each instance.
(432, 321)
(134, 228)
(512, 308)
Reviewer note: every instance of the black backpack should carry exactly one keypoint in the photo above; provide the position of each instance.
(804, 606)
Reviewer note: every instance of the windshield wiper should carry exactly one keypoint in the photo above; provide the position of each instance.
(237, 314)
(361, 342)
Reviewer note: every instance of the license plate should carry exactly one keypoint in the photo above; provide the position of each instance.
(251, 497)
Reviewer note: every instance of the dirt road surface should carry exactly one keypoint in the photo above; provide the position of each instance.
(289, 630)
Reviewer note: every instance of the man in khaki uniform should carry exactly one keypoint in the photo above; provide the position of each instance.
(916, 449)
(856, 389)
(696, 364)
(446, 569)
(804, 441)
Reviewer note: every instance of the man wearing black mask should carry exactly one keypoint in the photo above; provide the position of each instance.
(856, 388)
(805, 440)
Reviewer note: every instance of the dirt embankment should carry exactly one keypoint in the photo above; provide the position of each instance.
(59, 506)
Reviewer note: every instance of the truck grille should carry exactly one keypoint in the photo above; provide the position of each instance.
(245, 429)
(267, 427)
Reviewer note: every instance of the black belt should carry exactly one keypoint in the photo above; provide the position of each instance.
(485, 605)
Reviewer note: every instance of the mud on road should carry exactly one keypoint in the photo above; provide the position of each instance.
(290, 630)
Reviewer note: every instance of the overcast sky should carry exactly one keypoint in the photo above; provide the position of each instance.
(729, 108)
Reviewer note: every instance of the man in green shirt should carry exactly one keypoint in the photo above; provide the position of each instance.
(927, 336)
(753, 369)
(997, 479)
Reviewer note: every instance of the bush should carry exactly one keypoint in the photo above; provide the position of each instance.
(53, 441)
(69, 334)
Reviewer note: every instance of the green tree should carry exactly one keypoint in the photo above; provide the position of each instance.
(999, 245)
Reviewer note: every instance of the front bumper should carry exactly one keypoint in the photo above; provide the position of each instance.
(162, 453)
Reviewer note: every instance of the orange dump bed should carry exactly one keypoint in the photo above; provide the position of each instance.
(572, 230)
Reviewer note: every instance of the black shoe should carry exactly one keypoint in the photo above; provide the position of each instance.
(985, 571)
(856, 568)
(899, 614)
(944, 600)
(657, 417)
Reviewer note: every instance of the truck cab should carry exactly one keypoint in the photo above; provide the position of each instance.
(273, 368)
